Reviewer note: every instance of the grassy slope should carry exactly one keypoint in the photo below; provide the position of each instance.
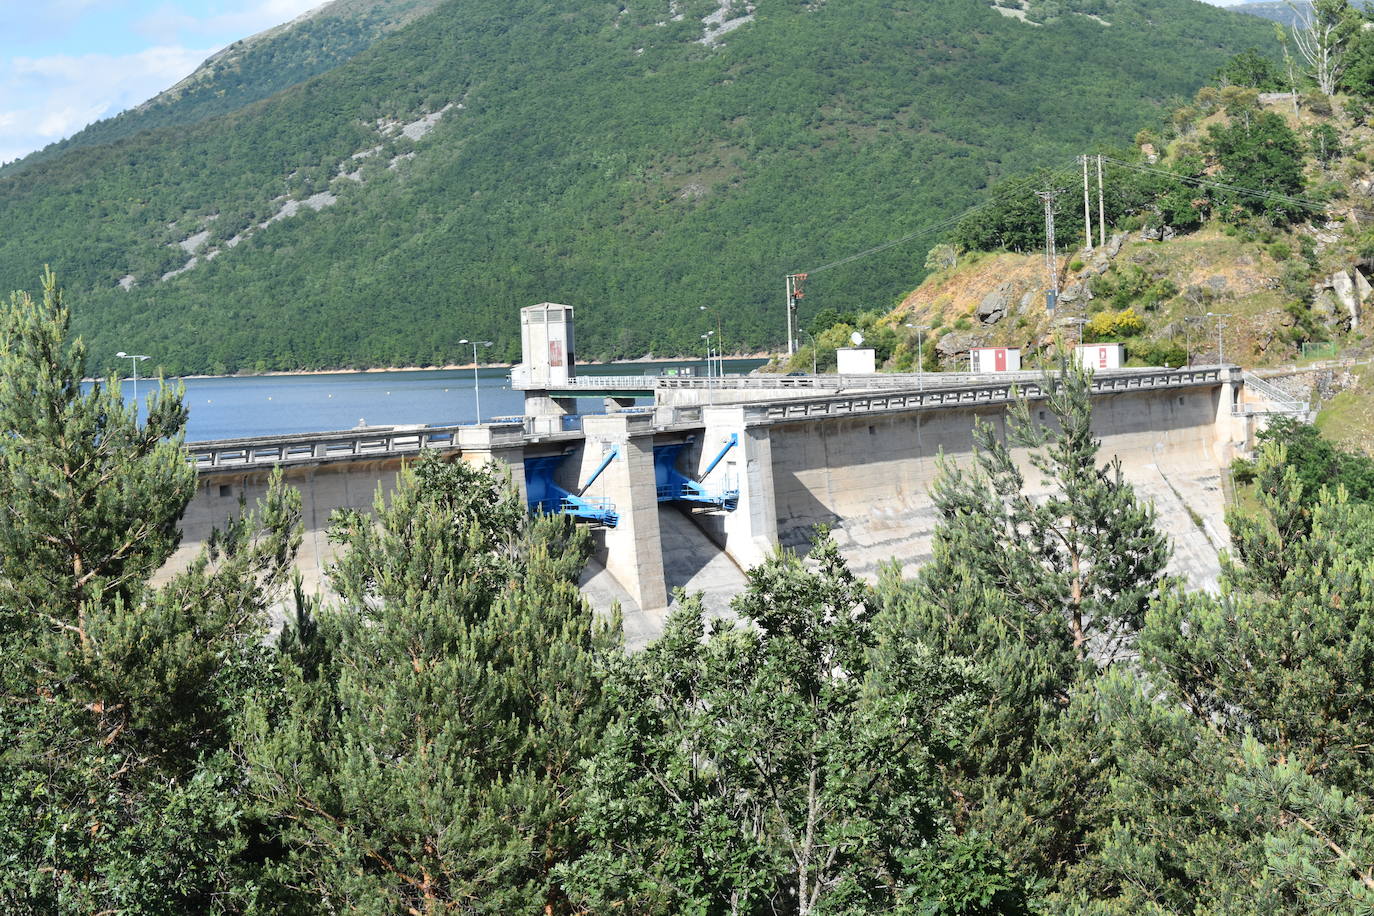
(633, 185)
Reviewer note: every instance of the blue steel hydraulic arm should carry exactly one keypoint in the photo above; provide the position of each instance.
(545, 495)
(674, 486)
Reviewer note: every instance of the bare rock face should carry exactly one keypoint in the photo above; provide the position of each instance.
(955, 343)
(1326, 308)
(1362, 287)
(1028, 299)
(1076, 292)
(1114, 244)
(1344, 288)
(995, 304)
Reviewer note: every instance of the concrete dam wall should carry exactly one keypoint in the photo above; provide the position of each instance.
(869, 478)
(861, 465)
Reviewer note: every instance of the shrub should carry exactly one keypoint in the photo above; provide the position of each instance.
(1106, 325)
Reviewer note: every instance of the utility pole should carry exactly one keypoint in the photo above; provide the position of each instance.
(1101, 209)
(920, 355)
(794, 293)
(1051, 258)
(1087, 207)
(1221, 356)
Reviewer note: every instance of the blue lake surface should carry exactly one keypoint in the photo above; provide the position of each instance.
(229, 408)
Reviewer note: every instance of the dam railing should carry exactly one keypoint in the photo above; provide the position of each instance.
(393, 441)
(887, 380)
(974, 395)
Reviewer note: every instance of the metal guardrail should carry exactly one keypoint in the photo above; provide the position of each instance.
(801, 409)
(1279, 401)
(378, 441)
(802, 382)
(390, 441)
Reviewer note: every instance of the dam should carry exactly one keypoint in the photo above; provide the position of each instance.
(692, 490)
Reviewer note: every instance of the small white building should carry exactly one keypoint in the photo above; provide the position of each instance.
(546, 345)
(856, 360)
(994, 359)
(1101, 356)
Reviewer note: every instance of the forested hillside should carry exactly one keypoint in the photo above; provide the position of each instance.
(623, 159)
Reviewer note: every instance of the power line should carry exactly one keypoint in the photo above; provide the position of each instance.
(935, 227)
(927, 230)
(1302, 202)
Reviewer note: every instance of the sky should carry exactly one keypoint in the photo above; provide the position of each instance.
(66, 63)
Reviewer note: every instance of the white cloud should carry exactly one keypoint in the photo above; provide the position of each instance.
(62, 93)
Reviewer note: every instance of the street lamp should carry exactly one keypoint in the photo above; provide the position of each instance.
(133, 358)
(801, 330)
(476, 389)
(920, 356)
(720, 348)
(707, 337)
(1221, 358)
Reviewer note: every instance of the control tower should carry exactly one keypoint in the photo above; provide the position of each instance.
(546, 346)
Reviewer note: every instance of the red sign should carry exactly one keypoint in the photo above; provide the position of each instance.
(555, 353)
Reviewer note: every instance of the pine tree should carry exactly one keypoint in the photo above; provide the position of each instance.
(426, 757)
(1086, 556)
(116, 789)
(1285, 653)
(1040, 589)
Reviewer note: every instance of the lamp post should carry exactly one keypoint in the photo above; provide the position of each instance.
(801, 330)
(707, 338)
(1221, 357)
(134, 359)
(920, 356)
(476, 388)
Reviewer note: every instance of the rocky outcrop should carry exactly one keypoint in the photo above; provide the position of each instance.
(1076, 292)
(995, 304)
(954, 344)
(1343, 286)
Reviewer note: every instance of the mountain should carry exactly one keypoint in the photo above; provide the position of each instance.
(1281, 10)
(637, 159)
(254, 68)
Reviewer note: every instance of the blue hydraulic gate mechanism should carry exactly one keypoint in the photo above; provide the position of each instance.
(676, 487)
(543, 495)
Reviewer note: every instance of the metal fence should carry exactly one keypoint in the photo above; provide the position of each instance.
(391, 441)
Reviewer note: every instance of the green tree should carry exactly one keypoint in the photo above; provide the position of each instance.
(1086, 558)
(787, 766)
(1039, 583)
(425, 756)
(117, 792)
(1263, 156)
(1251, 70)
(1325, 143)
(1282, 653)
(1251, 793)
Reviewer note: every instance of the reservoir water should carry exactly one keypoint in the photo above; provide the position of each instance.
(232, 407)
